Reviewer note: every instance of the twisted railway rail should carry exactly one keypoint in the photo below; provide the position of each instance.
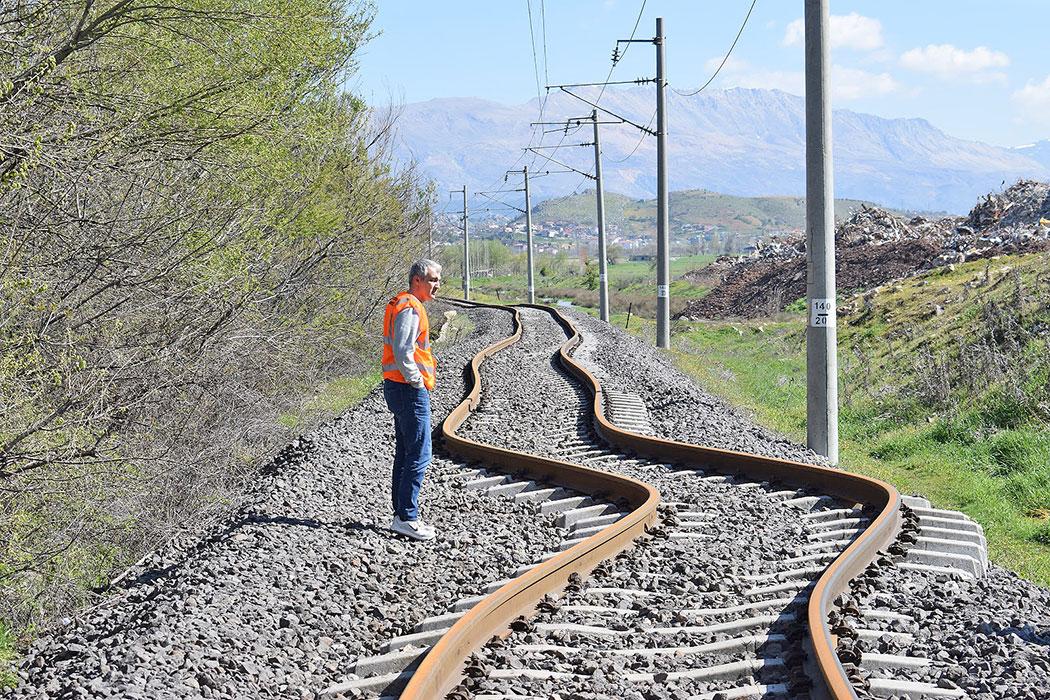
(850, 520)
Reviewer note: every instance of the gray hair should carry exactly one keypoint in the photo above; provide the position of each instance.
(420, 267)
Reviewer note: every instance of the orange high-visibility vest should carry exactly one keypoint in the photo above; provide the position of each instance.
(424, 358)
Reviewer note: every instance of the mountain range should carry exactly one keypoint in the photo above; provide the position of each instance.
(745, 142)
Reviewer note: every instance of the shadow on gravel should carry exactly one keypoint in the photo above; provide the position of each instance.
(229, 532)
(785, 641)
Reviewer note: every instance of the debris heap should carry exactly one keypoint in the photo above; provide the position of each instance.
(873, 247)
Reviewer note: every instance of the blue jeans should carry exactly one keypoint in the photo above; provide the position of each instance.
(411, 409)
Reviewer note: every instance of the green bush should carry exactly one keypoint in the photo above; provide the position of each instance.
(7, 651)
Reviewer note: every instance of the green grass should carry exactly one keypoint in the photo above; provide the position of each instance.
(333, 398)
(631, 284)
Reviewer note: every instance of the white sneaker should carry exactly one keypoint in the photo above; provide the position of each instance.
(416, 529)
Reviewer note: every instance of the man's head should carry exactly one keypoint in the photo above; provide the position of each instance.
(424, 279)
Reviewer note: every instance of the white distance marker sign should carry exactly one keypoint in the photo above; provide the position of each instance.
(822, 313)
(661, 291)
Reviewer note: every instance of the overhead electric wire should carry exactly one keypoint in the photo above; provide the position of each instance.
(724, 59)
(608, 77)
(543, 24)
(640, 139)
(535, 60)
(543, 101)
(542, 98)
(634, 31)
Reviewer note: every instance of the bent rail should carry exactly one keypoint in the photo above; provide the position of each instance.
(440, 669)
(859, 489)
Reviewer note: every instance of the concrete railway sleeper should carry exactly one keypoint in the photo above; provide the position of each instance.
(706, 605)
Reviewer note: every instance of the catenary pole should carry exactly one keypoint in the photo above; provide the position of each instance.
(663, 266)
(822, 432)
(603, 276)
(466, 249)
(528, 236)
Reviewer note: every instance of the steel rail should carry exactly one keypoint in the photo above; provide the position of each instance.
(440, 669)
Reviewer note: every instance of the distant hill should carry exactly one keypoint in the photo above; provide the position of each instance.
(748, 216)
(745, 142)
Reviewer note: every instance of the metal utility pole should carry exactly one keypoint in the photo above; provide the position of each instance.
(466, 247)
(663, 264)
(527, 211)
(603, 276)
(822, 427)
(528, 235)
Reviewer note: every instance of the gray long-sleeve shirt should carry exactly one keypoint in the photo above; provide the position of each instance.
(406, 328)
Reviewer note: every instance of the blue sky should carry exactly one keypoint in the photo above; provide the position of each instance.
(976, 69)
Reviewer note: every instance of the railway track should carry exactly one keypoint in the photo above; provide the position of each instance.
(671, 617)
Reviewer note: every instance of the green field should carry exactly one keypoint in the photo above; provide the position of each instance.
(742, 215)
(632, 285)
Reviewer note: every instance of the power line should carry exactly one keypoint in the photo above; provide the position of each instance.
(541, 98)
(601, 92)
(640, 139)
(543, 102)
(725, 58)
(543, 24)
(535, 60)
(637, 21)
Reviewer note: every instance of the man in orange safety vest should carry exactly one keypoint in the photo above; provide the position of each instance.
(409, 373)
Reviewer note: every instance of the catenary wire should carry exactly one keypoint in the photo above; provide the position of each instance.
(543, 24)
(535, 59)
(640, 139)
(608, 77)
(725, 58)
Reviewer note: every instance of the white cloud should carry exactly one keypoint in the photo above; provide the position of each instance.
(1033, 100)
(850, 31)
(951, 62)
(740, 73)
(853, 83)
(846, 83)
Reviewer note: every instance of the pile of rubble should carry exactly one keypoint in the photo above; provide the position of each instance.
(874, 246)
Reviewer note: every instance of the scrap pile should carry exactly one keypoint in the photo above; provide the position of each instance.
(873, 247)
